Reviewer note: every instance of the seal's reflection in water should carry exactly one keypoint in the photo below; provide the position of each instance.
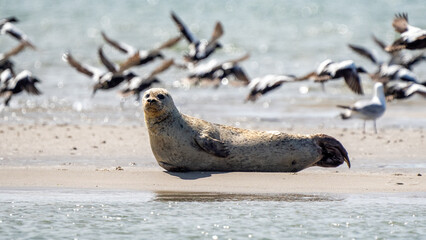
(231, 197)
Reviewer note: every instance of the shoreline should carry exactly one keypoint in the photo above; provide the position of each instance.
(156, 180)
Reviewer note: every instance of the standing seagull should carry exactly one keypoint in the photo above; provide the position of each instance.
(328, 70)
(143, 56)
(411, 37)
(7, 27)
(199, 50)
(367, 109)
(24, 81)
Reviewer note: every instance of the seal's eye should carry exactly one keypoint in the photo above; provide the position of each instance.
(147, 96)
(160, 96)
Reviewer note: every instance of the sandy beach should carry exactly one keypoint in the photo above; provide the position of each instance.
(62, 145)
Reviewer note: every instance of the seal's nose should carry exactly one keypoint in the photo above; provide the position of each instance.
(151, 100)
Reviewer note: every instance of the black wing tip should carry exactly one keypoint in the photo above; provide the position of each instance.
(402, 15)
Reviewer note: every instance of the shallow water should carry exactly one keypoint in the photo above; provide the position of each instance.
(290, 37)
(89, 214)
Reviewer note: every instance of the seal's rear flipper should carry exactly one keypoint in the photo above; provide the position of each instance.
(333, 152)
(212, 146)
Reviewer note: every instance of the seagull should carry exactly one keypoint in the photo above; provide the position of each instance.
(144, 56)
(8, 19)
(399, 57)
(7, 27)
(199, 50)
(328, 70)
(262, 85)
(103, 79)
(411, 37)
(405, 90)
(138, 84)
(367, 109)
(217, 72)
(389, 71)
(24, 81)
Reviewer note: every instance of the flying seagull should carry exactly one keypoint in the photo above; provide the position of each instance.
(262, 85)
(143, 56)
(138, 84)
(199, 50)
(24, 81)
(411, 37)
(103, 79)
(216, 72)
(7, 27)
(328, 70)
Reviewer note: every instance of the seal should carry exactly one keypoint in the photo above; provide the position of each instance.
(184, 143)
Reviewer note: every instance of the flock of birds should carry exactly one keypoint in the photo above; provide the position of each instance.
(394, 78)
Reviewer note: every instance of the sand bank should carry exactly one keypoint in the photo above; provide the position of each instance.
(69, 156)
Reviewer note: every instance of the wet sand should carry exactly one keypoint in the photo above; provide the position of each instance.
(48, 155)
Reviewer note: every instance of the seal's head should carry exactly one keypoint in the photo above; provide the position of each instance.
(157, 104)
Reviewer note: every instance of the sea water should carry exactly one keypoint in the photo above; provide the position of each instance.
(97, 214)
(282, 37)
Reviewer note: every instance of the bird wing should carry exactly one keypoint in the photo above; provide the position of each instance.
(8, 19)
(183, 29)
(26, 82)
(14, 51)
(6, 76)
(243, 58)
(67, 57)
(130, 62)
(15, 32)
(400, 22)
(120, 46)
(261, 86)
(217, 33)
(379, 42)
(240, 74)
(29, 86)
(169, 43)
(363, 52)
(371, 110)
(214, 66)
(415, 88)
(307, 76)
(353, 81)
(414, 60)
(163, 67)
(106, 62)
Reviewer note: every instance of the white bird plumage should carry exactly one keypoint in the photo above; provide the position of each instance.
(367, 109)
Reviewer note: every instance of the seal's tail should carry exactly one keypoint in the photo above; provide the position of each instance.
(333, 152)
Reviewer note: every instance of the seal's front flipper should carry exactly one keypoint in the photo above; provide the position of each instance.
(212, 146)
